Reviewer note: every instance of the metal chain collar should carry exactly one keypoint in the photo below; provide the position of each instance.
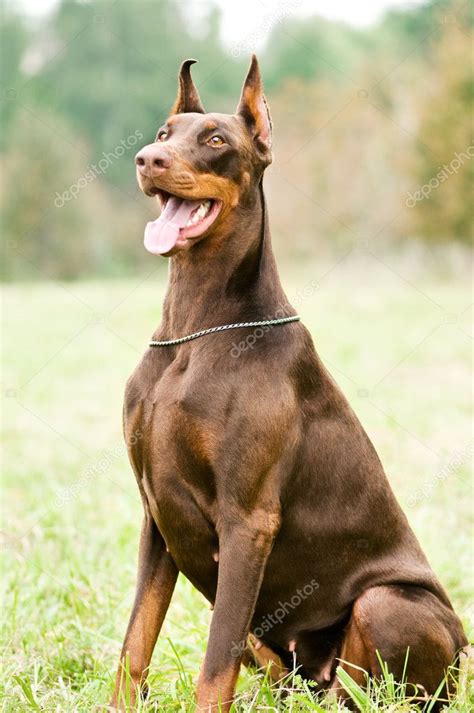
(222, 328)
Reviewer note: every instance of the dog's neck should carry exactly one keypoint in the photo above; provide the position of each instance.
(239, 282)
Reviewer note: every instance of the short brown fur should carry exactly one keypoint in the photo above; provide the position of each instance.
(257, 478)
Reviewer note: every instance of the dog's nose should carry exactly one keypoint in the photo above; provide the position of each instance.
(152, 160)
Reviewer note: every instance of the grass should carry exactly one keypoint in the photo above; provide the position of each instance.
(395, 337)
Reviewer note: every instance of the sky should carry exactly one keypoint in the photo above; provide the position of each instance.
(244, 17)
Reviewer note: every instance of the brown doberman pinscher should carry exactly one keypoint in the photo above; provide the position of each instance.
(258, 481)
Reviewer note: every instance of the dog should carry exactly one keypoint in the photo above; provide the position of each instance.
(258, 482)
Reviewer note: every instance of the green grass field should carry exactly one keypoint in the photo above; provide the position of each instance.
(395, 337)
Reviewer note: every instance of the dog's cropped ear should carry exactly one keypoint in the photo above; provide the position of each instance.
(253, 108)
(188, 96)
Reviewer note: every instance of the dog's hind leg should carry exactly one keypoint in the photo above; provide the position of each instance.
(157, 575)
(413, 632)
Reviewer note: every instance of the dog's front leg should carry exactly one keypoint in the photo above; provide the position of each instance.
(243, 552)
(156, 580)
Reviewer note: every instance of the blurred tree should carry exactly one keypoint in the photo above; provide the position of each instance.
(43, 240)
(442, 166)
(362, 115)
(313, 49)
(14, 39)
(59, 219)
(117, 69)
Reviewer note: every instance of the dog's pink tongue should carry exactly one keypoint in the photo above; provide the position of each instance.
(161, 235)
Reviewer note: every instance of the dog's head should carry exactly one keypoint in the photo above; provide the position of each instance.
(203, 167)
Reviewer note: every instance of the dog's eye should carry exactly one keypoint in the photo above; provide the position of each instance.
(216, 140)
(162, 135)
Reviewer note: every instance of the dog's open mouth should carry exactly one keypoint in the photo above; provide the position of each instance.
(180, 221)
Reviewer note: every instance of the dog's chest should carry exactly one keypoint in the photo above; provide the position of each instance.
(173, 440)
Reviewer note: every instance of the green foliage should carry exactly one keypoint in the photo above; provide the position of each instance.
(34, 166)
(363, 118)
(313, 50)
(444, 163)
(13, 44)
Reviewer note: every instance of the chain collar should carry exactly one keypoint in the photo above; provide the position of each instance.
(222, 328)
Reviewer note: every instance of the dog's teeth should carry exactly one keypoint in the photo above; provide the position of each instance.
(199, 214)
